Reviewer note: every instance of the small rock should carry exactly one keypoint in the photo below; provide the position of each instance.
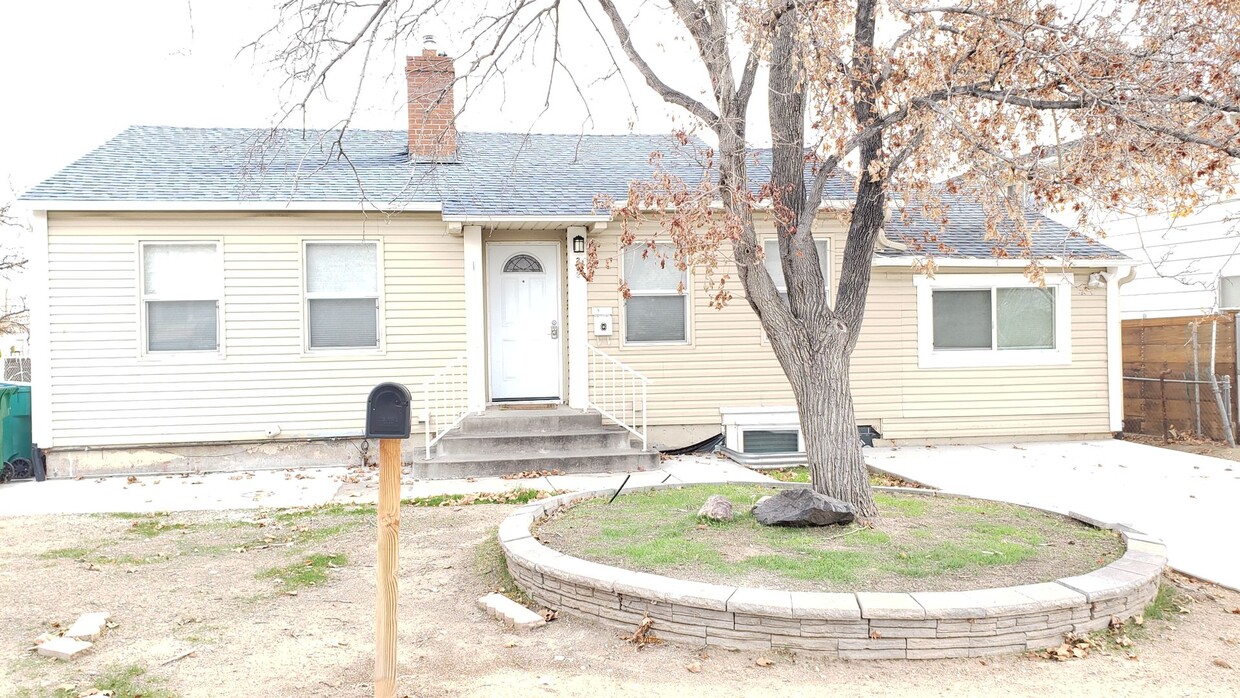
(803, 507)
(63, 648)
(716, 508)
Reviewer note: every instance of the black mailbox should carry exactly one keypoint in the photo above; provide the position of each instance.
(388, 412)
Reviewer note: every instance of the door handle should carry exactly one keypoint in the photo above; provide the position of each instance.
(555, 329)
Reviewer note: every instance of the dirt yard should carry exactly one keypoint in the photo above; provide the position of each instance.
(283, 606)
(1189, 444)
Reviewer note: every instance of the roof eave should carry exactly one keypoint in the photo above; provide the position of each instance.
(978, 262)
(36, 204)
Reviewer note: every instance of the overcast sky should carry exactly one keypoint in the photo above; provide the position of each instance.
(76, 72)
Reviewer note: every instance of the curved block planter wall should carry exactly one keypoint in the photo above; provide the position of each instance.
(861, 625)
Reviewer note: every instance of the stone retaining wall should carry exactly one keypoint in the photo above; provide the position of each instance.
(861, 625)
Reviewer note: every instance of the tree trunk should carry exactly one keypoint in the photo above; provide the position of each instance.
(828, 423)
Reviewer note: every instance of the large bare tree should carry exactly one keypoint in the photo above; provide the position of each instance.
(901, 93)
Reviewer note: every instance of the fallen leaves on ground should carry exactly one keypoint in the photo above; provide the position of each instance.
(530, 474)
(693, 668)
(1235, 611)
(1074, 647)
(548, 614)
(1222, 663)
(763, 662)
(644, 634)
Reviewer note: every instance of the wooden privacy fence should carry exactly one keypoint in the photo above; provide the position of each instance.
(1169, 389)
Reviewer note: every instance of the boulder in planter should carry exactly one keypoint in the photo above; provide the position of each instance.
(803, 507)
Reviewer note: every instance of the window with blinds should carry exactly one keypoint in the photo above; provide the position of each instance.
(342, 295)
(657, 310)
(994, 319)
(182, 283)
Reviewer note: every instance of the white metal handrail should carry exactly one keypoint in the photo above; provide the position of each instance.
(618, 392)
(445, 401)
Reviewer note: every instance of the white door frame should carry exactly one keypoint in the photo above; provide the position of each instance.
(558, 275)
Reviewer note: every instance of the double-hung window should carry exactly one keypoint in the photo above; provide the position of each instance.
(182, 283)
(657, 311)
(342, 295)
(992, 320)
(770, 250)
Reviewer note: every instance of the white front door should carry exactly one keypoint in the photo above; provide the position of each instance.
(523, 302)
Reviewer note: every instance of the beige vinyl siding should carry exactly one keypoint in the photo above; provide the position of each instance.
(105, 391)
(726, 363)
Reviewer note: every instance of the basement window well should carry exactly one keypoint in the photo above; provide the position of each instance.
(762, 435)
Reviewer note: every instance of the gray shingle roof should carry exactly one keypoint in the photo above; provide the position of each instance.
(964, 235)
(494, 174)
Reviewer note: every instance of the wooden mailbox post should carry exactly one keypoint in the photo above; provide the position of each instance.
(389, 419)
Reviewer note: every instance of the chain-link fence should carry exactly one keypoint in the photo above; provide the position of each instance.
(1175, 406)
(1179, 375)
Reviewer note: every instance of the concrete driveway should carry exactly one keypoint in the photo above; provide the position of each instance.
(1190, 501)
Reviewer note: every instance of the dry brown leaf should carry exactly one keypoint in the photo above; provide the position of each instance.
(1235, 611)
(1222, 663)
(694, 668)
(763, 662)
(875, 635)
(548, 614)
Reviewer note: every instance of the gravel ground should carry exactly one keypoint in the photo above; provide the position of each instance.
(196, 588)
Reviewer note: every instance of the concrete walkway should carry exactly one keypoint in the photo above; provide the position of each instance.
(309, 487)
(1190, 501)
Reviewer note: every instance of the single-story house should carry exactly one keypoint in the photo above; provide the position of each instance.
(210, 305)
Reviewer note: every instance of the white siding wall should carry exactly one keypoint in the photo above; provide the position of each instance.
(105, 392)
(728, 364)
(1180, 259)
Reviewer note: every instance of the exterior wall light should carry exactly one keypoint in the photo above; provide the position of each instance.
(579, 244)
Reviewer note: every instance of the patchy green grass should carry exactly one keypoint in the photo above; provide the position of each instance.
(492, 568)
(117, 682)
(311, 571)
(797, 474)
(517, 496)
(897, 505)
(128, 682)
(137, 515)
(800, 473)
(149, 528)
(335, 509)
(1165, 604)
(76, 553)
(920, 543)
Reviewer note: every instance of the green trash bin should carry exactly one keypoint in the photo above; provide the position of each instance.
(15, 437)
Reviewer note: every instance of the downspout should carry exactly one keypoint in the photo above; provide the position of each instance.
(1116, 277)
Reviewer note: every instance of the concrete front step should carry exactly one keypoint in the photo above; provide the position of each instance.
(458, 443)
(502, 421)
(576, 461)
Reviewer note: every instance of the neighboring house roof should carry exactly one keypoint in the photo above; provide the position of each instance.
(492, 175)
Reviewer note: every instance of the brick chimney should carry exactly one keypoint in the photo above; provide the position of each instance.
(432, 111)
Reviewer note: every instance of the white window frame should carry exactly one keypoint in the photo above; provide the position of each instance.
(826, 272)
(928, 357)
(1222, 278)
(824, 260)
(380, 345)
(687, 296)
(144, 340)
